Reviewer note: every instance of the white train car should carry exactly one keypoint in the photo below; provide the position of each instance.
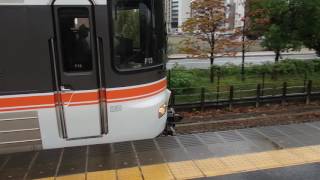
(80, 72)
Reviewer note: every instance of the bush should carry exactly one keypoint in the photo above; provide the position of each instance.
(286, 67)
(230, 69)
(193, 78)
(200, 73)
(259, 69)
(181, 79)
(302, 66)
(316, 65)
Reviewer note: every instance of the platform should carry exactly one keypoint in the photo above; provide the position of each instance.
(275, 152)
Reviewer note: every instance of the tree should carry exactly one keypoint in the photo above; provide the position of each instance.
(306, 19)
(207, 24)
(277, 40)
(271, 20)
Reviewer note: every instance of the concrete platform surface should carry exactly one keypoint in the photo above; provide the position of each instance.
(275, 152)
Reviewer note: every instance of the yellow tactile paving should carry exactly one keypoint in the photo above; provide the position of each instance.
(110, 175)
(213, 167)
(156, 172)
(263, 160)
(208, 167)
(129, 173)
(185, 170)
(306, 153)
(239, 163)
(286, 158)
(72, 177)
(47, 178)
(316, 148)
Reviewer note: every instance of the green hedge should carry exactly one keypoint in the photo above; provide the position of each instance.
(193, 78)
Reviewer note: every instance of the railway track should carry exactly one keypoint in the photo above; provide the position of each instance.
(258, 101)
(252, 119)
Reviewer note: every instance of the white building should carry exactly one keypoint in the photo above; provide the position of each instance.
(178, 11)
(235, 11)
(184, 12)
(174, 15)
(168, 9)
(240, 12)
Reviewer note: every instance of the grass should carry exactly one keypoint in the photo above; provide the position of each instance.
(243, 89)
(250, 80)
(187, 84)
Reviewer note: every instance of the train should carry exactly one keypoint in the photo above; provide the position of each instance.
(81, 72)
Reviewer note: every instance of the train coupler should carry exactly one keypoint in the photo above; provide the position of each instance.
(172, 119)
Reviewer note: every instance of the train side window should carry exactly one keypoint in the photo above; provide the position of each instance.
(75, 33)
(133, 35)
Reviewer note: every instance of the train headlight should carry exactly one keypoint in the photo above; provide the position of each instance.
(162, 110)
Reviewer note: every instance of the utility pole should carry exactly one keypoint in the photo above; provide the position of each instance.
(243, 49)
(244, 19)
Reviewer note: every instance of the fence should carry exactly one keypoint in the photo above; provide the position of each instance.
(203, 97)
(265, 90)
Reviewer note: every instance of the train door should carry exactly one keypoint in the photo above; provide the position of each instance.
(79, 97)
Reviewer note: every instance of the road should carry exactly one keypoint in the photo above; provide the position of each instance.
(252, 59)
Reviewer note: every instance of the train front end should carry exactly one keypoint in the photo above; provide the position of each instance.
(90, 72)
(138, 110)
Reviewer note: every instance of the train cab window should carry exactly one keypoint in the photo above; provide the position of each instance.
(75, 34)
(133, 28)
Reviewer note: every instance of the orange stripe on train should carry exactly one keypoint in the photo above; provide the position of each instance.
(80, 97)
(26, 101)
(140, 91)
(85, 97)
